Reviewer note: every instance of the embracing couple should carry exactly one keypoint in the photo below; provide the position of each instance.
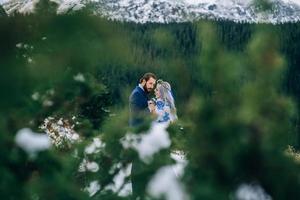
(162, 107)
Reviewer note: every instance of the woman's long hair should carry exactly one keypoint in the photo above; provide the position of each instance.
(165, 91)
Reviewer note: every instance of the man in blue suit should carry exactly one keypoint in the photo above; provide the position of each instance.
(138, 100)
(139, 109)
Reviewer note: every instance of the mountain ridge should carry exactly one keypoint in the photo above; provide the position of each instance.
(169, 11)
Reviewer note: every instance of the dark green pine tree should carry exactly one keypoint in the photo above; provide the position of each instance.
(238, 133)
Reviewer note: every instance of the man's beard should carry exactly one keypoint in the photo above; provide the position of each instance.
(146, 89)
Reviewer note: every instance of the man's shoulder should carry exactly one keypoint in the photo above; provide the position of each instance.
(136, 91)
(137, 94)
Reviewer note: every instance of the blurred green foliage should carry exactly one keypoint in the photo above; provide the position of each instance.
(234, 135)
(231, 84)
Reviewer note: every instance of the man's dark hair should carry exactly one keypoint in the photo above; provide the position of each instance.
(147, 76)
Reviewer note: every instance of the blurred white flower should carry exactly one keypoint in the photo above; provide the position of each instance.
(92, 166)
(88, 166)
(165, 184)
(79, 77)
(119, 185)
(95, 146)
(75, 136)
(147, 144)
(19, 45)
(48, 103)
(35, 96)
(181, 163)
(59, 122)
(251, 192)
(29, 60)
(93, 188)
(32, 142)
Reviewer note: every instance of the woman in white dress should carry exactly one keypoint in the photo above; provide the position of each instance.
(165, 112)
(164, 108)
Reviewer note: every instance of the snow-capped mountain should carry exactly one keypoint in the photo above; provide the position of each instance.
(166, 11)
(27, 6)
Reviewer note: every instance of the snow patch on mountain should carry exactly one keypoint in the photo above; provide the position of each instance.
(168, 11)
